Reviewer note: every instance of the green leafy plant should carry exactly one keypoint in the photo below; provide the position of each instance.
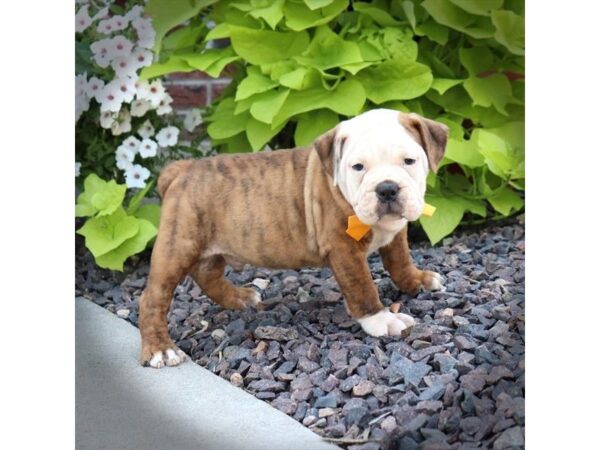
(125, 127)
(113, 233)
(304, 65)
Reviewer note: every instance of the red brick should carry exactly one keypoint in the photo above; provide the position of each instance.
(217, 89)
(195, 75)
(187, 96)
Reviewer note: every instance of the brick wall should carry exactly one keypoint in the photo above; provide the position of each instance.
(195, 89)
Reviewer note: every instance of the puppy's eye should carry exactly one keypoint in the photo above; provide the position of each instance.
(358, 167)
(409, 161)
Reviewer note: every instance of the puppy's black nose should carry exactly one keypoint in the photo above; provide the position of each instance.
(387, 191)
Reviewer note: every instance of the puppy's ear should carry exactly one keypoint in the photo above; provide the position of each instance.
(329, 148)
(431, 135)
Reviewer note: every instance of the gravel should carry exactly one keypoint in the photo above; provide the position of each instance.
(456, 382)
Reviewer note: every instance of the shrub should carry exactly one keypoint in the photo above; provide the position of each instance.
(116, 118)
(304, 65)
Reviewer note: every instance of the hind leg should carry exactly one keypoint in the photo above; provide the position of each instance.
(173, 255)
(209, 274)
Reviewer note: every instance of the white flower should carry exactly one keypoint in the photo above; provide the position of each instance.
(122, 124)
(82, 104)
(167, 136)
(101, 14)
(148, 148)
(136, 176)
(146, 130)
(103, 52)
(82, 19)
(140, 107)
(145, 32)
(81, 81)
(134, 13)
(142, 25)
(107, 118)
(105, 26)
(192, 119)
(142, 57)
(123, 88)
(94, 87)
(124, 66)
(119, 22)
(121, 46)
(153, 92)
(110, 98)
(77, 169)
(124, 157)
(164, 107)
(82, 100)
(132, 143)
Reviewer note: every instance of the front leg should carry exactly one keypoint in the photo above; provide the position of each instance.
(362, 300)
(397, 261)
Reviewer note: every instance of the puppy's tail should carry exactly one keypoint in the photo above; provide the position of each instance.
(169, 173)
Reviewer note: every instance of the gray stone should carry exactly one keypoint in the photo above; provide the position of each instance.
(285, 367)
(434, 392)
(330, 383)
(218, 334)
(300, 383)
(425, 352)
(388, 424)
(306, 365)
(349, 383)
(123, 313)
(444, 362)
(338, 357)
(464, 343)
(326, 401)
(473, 381)
(470, 425)
(364, 387)
(285, 405)
(417, 422)
(408, 443)
(512, 438)
(402, 368)
(276, 333)
(497, 373)
(460, 321)
(266, 385)
(433, 435)
(429, 406)
(355, 411)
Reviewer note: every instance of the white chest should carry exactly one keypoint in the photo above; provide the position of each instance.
(383, 234)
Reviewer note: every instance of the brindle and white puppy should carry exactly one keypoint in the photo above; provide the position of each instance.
(289, 209)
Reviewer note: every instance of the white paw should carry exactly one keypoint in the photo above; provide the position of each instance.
(255, 299)
(386, 323)
(434, 282)
(170, 357)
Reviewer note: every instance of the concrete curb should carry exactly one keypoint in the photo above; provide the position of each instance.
(121, 405)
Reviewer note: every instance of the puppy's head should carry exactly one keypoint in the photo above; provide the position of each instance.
(380, 159)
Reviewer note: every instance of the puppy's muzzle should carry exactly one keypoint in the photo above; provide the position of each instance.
(387, 191)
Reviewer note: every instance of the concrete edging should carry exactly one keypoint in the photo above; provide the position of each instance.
(121, 405)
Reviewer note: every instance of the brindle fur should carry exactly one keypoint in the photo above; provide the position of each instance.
(270, 209)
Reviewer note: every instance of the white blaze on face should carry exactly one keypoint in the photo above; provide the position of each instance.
(377, 141)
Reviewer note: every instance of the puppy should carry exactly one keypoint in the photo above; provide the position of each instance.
(289, 209)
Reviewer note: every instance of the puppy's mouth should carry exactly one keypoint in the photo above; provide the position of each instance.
(389, 208)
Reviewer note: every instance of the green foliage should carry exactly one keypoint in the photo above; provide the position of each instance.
(112, 234)
(304, 65)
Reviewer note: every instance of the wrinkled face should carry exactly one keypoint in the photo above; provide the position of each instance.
(381, 169)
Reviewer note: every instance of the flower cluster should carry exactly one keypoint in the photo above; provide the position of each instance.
(135, 174)
(124, 49)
